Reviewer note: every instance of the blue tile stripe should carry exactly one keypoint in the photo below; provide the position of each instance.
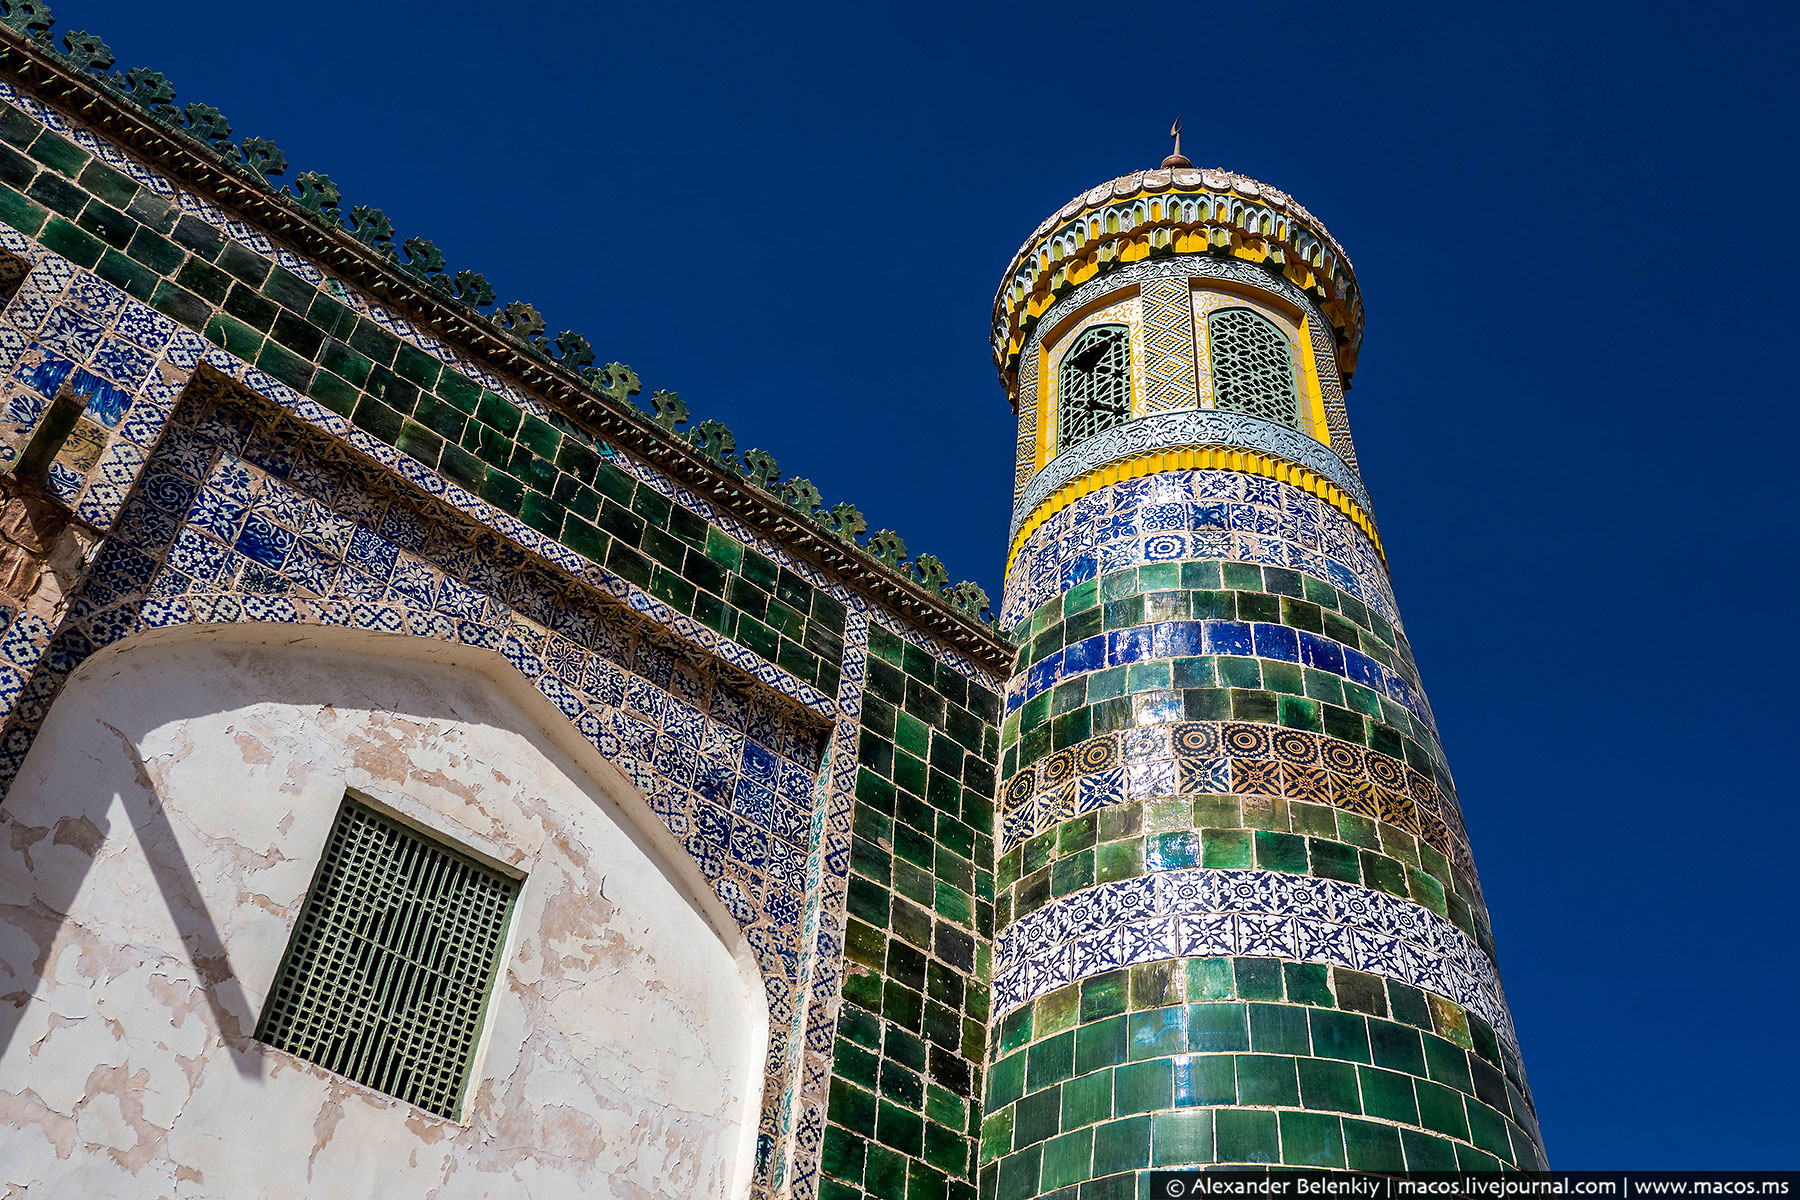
(1239, 639)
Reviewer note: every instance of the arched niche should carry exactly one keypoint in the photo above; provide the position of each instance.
(156, 850)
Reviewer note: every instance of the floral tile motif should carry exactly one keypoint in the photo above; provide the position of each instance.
(1202, 912)
(1226, 515)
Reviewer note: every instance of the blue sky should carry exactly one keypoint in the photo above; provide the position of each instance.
(1571, 224)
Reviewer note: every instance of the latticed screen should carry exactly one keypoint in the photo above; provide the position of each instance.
(391, 961)
(1094, 384)
(1252, 367)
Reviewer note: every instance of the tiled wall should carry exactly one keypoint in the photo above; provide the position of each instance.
(258, 442)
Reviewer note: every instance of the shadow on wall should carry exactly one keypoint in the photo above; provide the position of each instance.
(53, 859)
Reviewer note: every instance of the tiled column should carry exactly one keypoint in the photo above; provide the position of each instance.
(1237, 919)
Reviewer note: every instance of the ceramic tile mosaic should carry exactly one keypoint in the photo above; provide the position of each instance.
(406, 424)
(1198, 913)
(1156, 1065)
(1241, 758)
(1180, 515)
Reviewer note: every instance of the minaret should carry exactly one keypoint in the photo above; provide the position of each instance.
(1237, 920)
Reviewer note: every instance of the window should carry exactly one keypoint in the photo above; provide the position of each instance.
(390, 964)
(1094, 384)
(1252, 367)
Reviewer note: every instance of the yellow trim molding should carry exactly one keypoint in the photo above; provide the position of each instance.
(1195, 458)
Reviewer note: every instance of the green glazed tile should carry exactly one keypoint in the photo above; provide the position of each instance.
(1204, 1079)
(1339, 1035)
(1258, 978)
(1396, 1047)
(1087, 1099)
(1246, 1136)
(1441, 1109)
(1068, 1159)
(1101, 1043)
(1036, 1117)
(1278, 1029)
(1266, 1079)
(1122, 1145)
(1329, 1086)
(1018, 1177)
(1372, 1147)
(1182, 1138)
(1308, 983)
(1142, 1087)
(1427, 1153)
(1389, 1094)
(1209, 979)
(1158, 1033)
(1311, 1140)
(1051, 1061)
(1104, 995)
(1217, 1028)
(1225, 848)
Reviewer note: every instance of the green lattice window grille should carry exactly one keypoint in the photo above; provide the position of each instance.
(1093, 384)
(389, 969)
(1252, 366)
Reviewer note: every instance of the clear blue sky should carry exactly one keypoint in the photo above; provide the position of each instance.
(1572, 224)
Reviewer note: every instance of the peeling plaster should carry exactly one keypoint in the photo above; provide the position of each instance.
(159, 842)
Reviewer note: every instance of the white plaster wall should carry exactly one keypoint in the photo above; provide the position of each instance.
(154, 855)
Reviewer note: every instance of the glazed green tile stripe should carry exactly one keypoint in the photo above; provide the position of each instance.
(1093, 1125)
(546, 471)
(1212, 590)
(911, 1032)
(1387, 1003)
(1239, 758)
(1134, 840)
(1377, 1049)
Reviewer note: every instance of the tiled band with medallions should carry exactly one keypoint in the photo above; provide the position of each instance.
(1190, 758)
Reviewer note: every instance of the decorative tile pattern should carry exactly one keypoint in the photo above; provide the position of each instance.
(1025, 455)
(1192, 427)
(1238, 758)
(1260, 913)
(1168, 331)
(1195, 514)
(231, 520)
(1187, 211)
(314, 537)
(1182, 639)
(1187, 268)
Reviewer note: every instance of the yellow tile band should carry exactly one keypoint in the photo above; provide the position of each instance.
(1195, 458)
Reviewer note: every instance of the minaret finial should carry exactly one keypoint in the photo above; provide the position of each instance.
(1177, 159)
